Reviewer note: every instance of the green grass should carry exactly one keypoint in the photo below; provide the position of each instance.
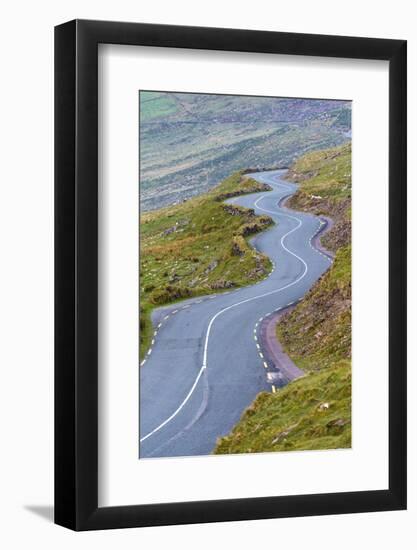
(325, 173)
(198, 247)
(313, 412)
(324, 179)
(309, 414)
(156, 105)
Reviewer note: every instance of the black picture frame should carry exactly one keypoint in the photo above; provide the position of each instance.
(76, 273)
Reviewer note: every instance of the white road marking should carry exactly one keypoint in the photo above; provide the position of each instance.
(178, 410)
(204, 366)
(265, 365)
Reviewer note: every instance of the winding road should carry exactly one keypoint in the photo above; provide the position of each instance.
(206, 363)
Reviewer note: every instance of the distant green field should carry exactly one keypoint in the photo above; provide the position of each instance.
(156, 105)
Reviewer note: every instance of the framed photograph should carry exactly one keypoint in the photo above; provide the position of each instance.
(230, 275)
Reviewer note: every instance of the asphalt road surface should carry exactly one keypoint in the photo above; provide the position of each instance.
(205, 365)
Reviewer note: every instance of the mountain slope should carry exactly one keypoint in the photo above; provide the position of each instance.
(189, 142)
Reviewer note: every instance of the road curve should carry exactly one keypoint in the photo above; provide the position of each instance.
(205, 365)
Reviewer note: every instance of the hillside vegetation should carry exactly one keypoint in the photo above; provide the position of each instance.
(325, 189)
(313, 412)
(205, 137)
(199, 247)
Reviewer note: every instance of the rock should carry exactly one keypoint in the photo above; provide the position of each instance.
(170, 230)
(282, 435)
(221, 284)
(337, 423)
(256, 273)
(236, 250)
(238, 210)
(211, 266)
(323, 407)
(175, 277)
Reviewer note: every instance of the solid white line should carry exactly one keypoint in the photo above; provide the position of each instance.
(266, 293)
(178, 410)
(204, 366)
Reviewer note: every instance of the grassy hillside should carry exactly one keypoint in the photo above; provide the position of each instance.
(325, 189)
(199, 247)
(310, 413)
(206, 137)
(313, 412)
